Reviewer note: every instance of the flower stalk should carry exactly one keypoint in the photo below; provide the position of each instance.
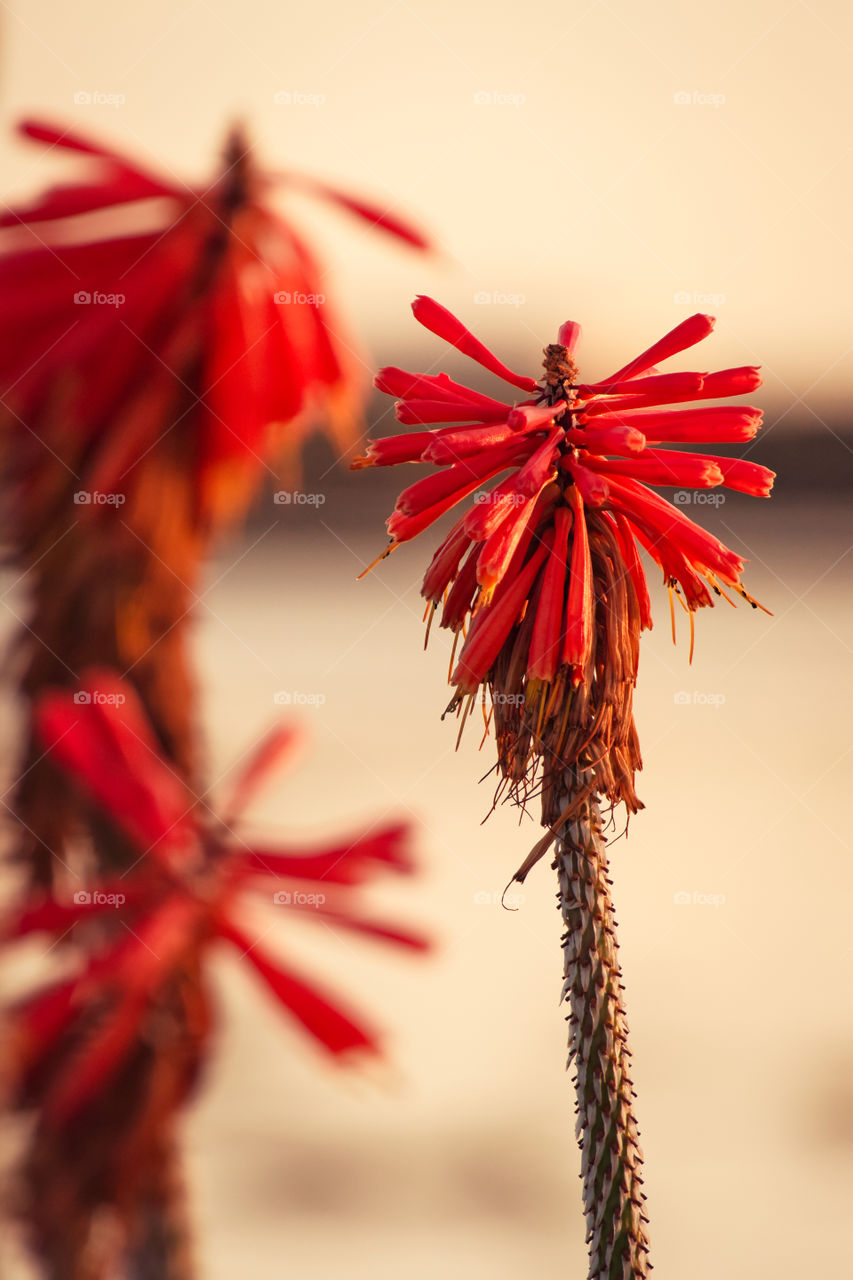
(611, 1159)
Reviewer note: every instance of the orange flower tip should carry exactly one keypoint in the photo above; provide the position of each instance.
(363, 460)
(392, 546)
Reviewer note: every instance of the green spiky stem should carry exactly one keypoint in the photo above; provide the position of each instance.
(611, 1159)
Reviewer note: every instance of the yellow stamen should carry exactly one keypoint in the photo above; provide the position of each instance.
(452, 655)
(671, 611)
(392, 546)
(692, 638)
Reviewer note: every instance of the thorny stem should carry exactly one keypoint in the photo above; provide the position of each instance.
(611, 1159)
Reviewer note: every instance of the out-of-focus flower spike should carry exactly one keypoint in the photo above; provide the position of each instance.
(445, 325)
(684, 335)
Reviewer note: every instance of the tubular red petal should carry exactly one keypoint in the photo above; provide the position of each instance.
(569, 336)
(746, 477)
(663, 466)
(493, 623)
(684, 335)
(462, 593)
(578, 627)
(728, 424)
(384, 219)
(392, 450)
(353, 862)
(666, 521)
(413, 412)
(635, 570)
(445, 325)
(526, 417)
(500, 548)
(682, 385)
(626, 441)
(465, 443)
(531, 477)
(464, 475)
(731, 382)
(445, 563)
(593, 488)
(425, 386)
(545, 650)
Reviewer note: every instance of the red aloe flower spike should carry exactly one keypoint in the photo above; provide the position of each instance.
(684, 335)
(554, 636)
(445, 325)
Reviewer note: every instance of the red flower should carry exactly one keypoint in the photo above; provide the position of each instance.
(568, 447)
(139, 310)
(139, 932)
(545, 563)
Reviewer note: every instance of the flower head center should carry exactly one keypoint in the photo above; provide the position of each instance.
(560, 374)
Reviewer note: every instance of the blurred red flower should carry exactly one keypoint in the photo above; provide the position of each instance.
(139, 934)
(135, 306)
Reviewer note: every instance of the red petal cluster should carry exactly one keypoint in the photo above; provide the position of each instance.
(566, 450)
(136, 307)
(74, 1035)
